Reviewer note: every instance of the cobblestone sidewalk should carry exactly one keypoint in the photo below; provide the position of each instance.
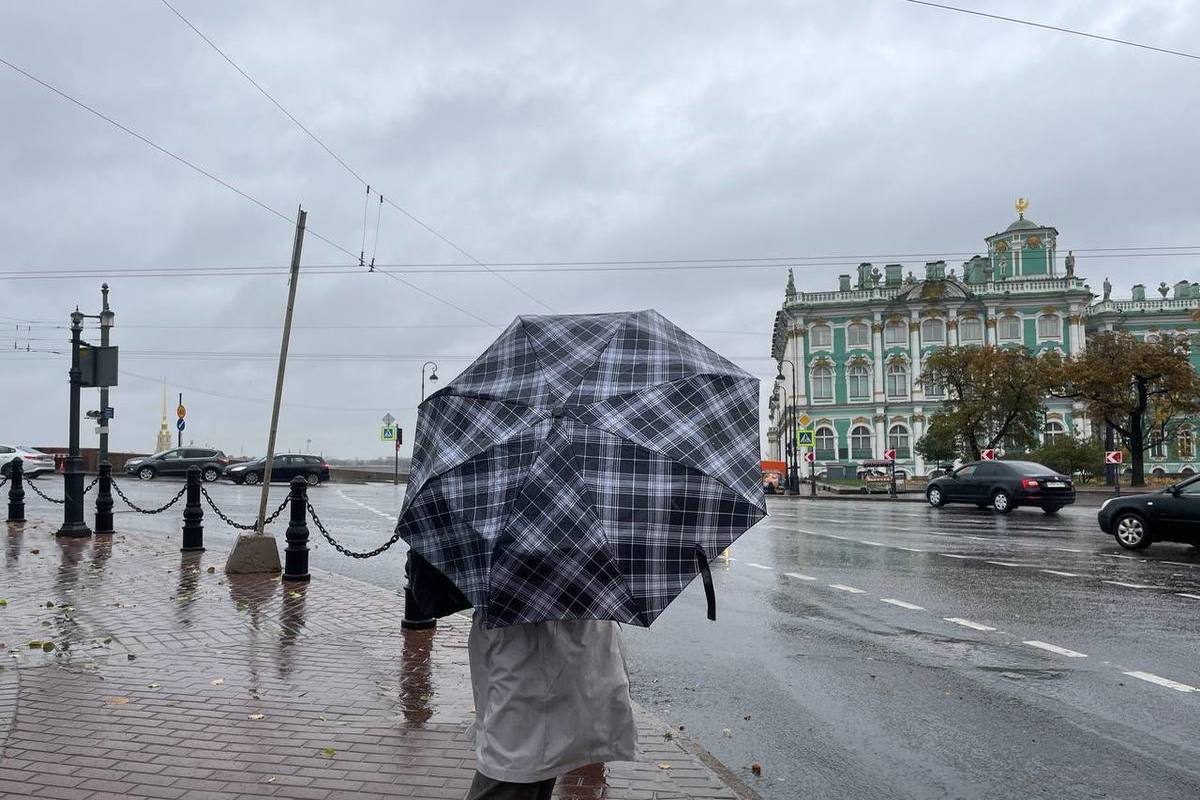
(128, 669)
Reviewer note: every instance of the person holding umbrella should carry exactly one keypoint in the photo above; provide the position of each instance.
(580, 473)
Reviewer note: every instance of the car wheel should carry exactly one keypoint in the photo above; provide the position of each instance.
(935, 497)
(210, 474)
(252, 478)
(145, 473)
(1001, 502)
(1051, 509)
(312, 479)
(1130, 531)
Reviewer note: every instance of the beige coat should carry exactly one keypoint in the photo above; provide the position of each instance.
(549, 697)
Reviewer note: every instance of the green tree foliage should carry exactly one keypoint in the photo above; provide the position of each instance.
(1069, 455)
(1139, 388)
(992, 394)
(940, 442)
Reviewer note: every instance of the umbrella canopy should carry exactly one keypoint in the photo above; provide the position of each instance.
(584, 467)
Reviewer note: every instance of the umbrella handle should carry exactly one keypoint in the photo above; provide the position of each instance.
(706, 575)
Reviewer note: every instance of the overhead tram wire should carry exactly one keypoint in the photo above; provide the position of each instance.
(1057, 28)
(200, 170)
(343, 163)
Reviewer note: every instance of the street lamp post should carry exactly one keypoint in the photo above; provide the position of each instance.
(73, 524)
(786, 438)
(415, 618)
(104, 499)
(793, 477)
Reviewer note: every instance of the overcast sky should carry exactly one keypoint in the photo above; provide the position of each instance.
(539, 132)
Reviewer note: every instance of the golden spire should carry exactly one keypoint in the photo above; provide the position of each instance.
(1022, 204)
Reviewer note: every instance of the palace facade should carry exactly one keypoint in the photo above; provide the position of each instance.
(857, 353)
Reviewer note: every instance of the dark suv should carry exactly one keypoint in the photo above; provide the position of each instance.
(1003, 485)
(1171, 515)
(177, 461)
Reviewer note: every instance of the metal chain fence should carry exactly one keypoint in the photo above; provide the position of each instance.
(312, 512)
(141, 510)
(3, 480)
(253, 526)
(43, 495)
(92, 485)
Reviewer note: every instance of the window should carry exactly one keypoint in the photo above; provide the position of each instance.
(933, 331)
(898, 441)
(820, 336)
(1049, 326)
(860, 442)
(1159, 448)
(1185, 443)
(822, 385)
(1054, 431)
(970, 330)
(824, 440)
(1191, 490)
(897, 381)
(858, 380)
(895, 333)
(858, 335)
(933, 387)
(967, 471)
(1009, 328)
(172, 455)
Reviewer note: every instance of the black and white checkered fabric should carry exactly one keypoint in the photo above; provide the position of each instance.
(574, 469)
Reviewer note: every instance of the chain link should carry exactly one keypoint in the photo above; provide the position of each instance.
(253, 527)
(312, 512)
(92, 485)
(141, 510)
(43, 495)
(3, 480)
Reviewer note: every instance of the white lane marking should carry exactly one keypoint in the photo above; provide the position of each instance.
(873, 544)
(966, 623)
(799, 577)
(1131, 585)
(1189, 596)
(955, 555)
(757, 566)
(361, 504)
(1118, 555)
(1178, 564)
(902, 604)
(1053, 648)
(1059, 572)
(1150, 677)
(1004, 564)
(845, 588)
(910, 549)
(1066, 549)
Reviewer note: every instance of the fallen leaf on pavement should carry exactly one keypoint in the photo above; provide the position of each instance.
(217, 681)
(756, 768)
(664, 765)
(747, 716)
(116, 701)
(154, 685)
(293, 594)
(34, 644)
(728, 734)
(328, 752)
(257, 716)
(211, 570)
(3, 603)
(34, 550)
(47, 647)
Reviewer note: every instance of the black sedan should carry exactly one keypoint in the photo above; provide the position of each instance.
(286, 466)
(1170, 515)
(1003, 485)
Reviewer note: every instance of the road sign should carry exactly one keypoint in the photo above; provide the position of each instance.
(1114, 457)
(105, 413)
(889, 455)
(181, 412)
(804, 437)
(388, 433)
(811, 457)
(804, 420)
(988, 455)
(388, 419)
(180, 424)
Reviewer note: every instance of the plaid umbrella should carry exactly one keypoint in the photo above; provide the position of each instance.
(585, 467)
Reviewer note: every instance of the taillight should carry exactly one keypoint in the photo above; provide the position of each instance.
(1029, 483)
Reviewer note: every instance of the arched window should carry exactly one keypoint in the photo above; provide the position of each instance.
(1053, 431)
(1158, 448)
(897, 381)
(895, 333)
(932, 386)
(1009, 328)
(970, 330)
(822, 385)
(1185, 443)
(861, 445)
(858, 335)
(1151, 338)
(1049, 326)
(824, 439)
(820, 336)
(858, 381)
(933, 331)
(898, 441)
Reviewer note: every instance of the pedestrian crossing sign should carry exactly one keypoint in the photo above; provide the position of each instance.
(804, 437)
(387, 433)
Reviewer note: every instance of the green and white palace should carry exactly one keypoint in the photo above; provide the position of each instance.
(858, 352)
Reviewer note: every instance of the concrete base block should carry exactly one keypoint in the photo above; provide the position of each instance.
(253, 552)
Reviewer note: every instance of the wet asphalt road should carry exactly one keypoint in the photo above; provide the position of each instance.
(890, 650)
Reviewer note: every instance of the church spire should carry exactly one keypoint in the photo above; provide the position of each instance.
(790, 293)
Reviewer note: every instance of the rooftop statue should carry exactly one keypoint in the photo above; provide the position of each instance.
(1070, 264)
(1107, 288)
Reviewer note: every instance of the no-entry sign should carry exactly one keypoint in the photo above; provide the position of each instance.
(1113, 457)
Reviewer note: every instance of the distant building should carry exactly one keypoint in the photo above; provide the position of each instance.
(859, 351)
(163, 442)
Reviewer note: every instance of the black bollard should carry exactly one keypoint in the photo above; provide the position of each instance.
(415, 618)
(193, 515)
(295, 555)
(16, 491)
(104, 500)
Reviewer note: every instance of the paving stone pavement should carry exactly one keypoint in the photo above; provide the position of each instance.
(160, 677)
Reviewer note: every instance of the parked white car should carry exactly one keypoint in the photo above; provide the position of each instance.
(33, 462)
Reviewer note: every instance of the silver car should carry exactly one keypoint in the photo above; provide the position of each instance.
(33, 462)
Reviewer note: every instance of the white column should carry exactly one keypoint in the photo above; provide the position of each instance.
(918, 430)
(797, 357)
(1077, 333)
(880, 434)
(877, 343)
(914, 350)
(952, 328)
